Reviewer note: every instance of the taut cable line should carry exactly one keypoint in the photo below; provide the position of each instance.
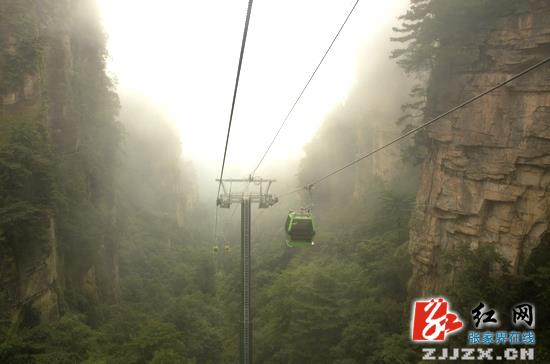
(420, 127)
(241, 56)
(304, 89)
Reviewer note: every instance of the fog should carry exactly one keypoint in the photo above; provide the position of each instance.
(113, 122)
(183, 56)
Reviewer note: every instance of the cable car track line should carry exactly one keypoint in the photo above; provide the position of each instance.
(304, 89)
(426, 124)
(241, 56)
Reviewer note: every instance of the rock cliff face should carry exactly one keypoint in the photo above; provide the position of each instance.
(486, 179)
(57, 148)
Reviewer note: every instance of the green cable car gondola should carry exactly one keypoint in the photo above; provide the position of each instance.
(299, 229)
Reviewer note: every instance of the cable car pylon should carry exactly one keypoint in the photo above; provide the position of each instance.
(246, 198)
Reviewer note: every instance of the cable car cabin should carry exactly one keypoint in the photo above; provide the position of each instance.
(299, 229)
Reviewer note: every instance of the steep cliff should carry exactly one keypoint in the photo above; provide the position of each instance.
(486, 178)
(58, 141)
(365, 121)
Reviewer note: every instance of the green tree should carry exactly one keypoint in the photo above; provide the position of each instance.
(153, 336)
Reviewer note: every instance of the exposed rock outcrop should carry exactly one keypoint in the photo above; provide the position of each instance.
(57, 148)
(486, 179)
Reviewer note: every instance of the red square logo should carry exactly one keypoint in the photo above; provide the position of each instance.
(432, 320)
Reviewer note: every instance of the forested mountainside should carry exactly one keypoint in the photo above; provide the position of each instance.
(479, 222)
(484, 180)
(58, 146)
(479, 229)
(106, 255)
(486, 174)
(83, 196)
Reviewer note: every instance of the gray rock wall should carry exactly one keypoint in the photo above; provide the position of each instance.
(486, 179)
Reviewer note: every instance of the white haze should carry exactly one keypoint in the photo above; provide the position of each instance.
(183, 55)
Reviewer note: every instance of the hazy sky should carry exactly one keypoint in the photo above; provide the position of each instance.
(183, 55)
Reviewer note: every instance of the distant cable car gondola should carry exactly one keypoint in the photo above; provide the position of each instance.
(299, 229)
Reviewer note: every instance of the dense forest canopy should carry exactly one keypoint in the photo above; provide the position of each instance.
(107, 252)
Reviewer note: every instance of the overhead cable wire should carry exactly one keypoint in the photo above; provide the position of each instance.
(304, 89)
(241, 56)
(422, 126)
